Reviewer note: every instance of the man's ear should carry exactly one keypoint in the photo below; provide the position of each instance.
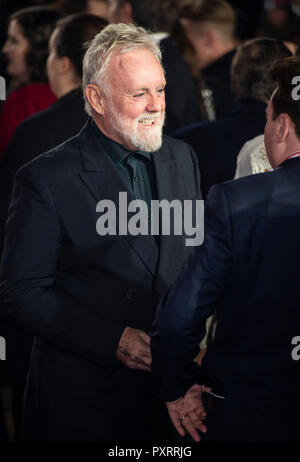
(65, 64)
(283, 127)
(95, 98)
(209, 37)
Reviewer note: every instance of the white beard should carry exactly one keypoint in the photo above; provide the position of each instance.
(150, 140)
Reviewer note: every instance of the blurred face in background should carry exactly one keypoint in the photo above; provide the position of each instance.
(15, 50)
(112, 10)
(119, 11)
(53, 64)
(98, 8)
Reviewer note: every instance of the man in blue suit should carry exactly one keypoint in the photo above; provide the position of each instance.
(84, 286)
(247, 271)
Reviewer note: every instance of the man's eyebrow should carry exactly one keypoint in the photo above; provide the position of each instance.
(162, 85)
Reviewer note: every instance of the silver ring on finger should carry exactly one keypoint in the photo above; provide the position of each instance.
(182, 418)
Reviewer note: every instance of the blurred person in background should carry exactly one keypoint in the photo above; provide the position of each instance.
(210, 26)
(249, 14)
(218, 143)
(39, 133)
(183, 99)
(96, 7)
(281, 21)
(26, 50)
(62, 120)
(67, 7)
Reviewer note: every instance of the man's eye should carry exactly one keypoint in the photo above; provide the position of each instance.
(139, 95)
(161, 90)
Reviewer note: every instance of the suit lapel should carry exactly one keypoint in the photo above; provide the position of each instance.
(169, 186)
(103, 181)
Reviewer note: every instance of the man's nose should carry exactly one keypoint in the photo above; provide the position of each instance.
(156, 103)
(5, 47)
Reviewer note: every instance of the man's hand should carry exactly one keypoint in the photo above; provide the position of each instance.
(134, 349)
(188, 413)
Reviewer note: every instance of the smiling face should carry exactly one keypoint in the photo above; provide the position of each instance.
(133, 108)
(15, 50)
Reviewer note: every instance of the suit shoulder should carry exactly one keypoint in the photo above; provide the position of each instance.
(60, 160)
(252, 188)
(181, 150)
(176, 144)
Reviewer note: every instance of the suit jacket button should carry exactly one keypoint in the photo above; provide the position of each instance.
(129, 294)
(177, 270)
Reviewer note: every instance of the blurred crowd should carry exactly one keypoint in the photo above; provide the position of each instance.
(216, 56)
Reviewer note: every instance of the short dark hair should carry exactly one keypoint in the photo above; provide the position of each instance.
(214, 11)
(282, 75)
(154, 15)
(37, 24)
(251, 65)
(74, 32)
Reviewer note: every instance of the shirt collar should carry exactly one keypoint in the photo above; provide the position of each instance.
(116, 151)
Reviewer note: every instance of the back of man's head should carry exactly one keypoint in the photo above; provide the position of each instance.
(154, 15)
(202, 14)
(251, 66)
(285, 75)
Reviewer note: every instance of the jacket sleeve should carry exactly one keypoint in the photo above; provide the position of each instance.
(181, 318)
(28, 291)
(199, 194)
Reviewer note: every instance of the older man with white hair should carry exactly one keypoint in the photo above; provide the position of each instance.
(87, 288)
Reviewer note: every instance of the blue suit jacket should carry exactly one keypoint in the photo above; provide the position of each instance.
(217, 144)
(248, 271)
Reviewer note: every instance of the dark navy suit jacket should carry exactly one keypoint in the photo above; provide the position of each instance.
(78, 291)
(217, 144)
(247, 271)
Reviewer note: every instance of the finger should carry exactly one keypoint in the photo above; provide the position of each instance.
(132, 363)
(144, 336)
(146, 352)
(201, 412)
(140, 365)
(143, 353)
(206, 389)
(198, 422)
(196, 388)
(188, 425)
(177, 423)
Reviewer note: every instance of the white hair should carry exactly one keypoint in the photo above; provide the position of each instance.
(121, 37)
